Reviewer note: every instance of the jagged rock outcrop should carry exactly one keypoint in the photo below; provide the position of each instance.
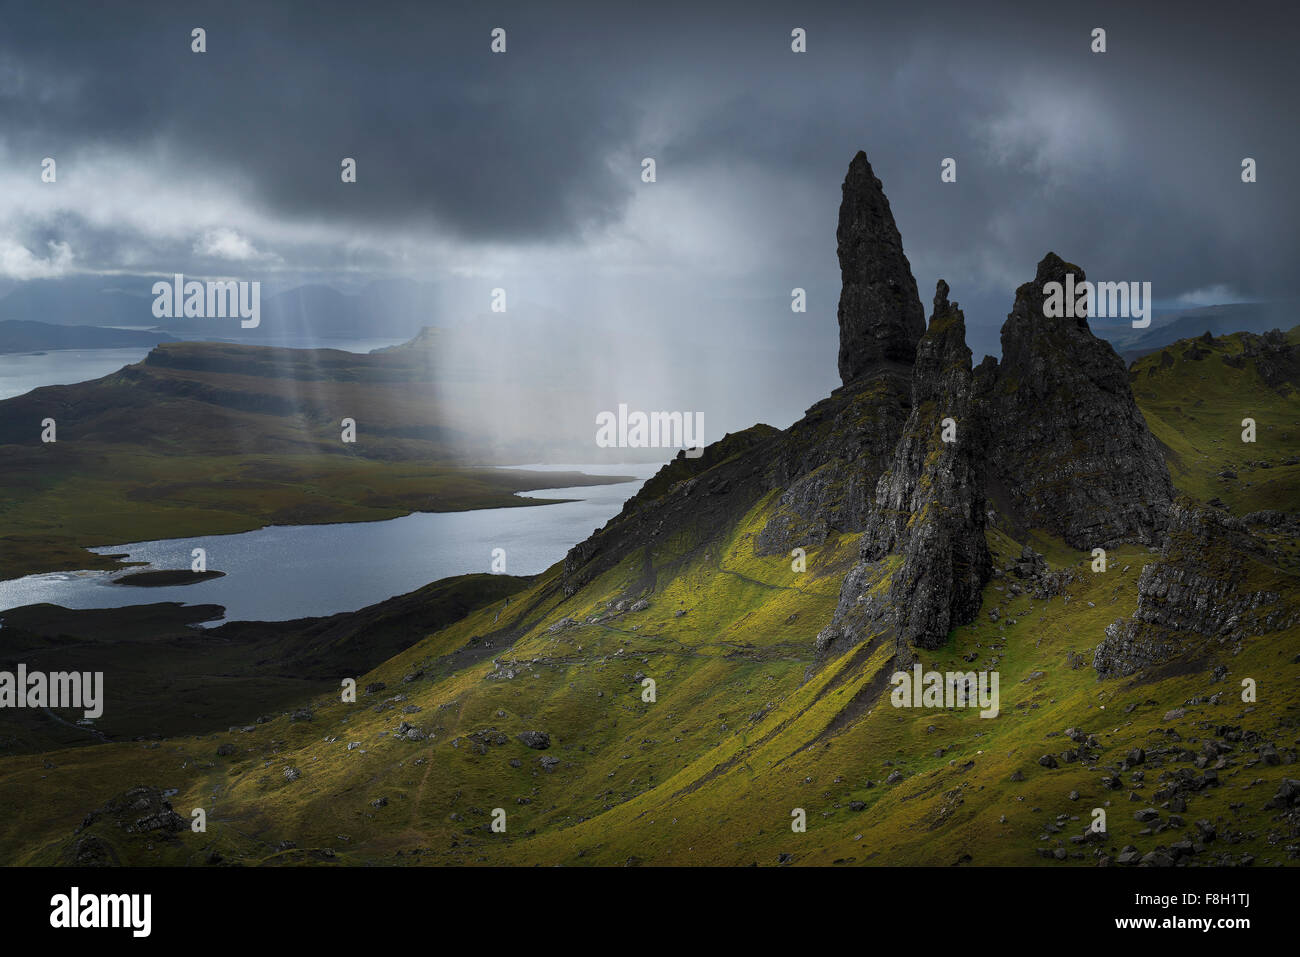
(1213, 585)
(925, 533)
(1051, 436)
(831, 459)
(880, 314)
(140, 810)
(826, 466)
(1069, 450)
(862, 610)
(139, 815)
(1276, 360)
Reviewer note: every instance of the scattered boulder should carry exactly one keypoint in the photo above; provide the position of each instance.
(1287, 796)
(140, 810)
(538, 740)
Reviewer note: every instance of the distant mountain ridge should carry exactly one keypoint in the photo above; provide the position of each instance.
(381, 309)
(19, 335)
(1218, 320)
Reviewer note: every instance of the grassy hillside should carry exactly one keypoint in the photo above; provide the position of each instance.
(1194, 399)
(165, 676)
(746, 727)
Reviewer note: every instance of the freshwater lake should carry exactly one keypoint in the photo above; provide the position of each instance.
(295, 571)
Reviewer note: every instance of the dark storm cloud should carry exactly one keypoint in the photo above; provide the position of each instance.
(516, 146)
(1126, 162)
(483, 146)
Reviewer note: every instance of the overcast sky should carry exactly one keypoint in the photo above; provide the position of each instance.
(523, 169)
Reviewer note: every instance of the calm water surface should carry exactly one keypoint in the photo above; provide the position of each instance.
(295, 571)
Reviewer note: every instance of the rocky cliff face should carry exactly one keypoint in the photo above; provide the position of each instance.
(1213, 585)
(880, 314)
(1068, 449)
(829, 461)
(925, 529)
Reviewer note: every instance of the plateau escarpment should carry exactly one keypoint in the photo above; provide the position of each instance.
(210, 438)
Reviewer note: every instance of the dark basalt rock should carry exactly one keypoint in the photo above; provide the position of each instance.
(928, 509)
(1051, 438)
(1070, 452)
(137, 816)
(90, 851)
(862, 611)
(1213, 585)
(538, 740)
(880, 314)
(1276, 360)
(829, 461)
(142, 809)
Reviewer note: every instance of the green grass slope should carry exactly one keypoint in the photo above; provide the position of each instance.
(1195, 398)
(164, 676)
(744, 729)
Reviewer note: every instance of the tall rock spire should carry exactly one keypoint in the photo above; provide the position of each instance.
(929, 509)
(880, 314)
(831, 459)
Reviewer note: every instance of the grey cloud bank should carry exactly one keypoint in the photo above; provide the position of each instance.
(522, 170)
